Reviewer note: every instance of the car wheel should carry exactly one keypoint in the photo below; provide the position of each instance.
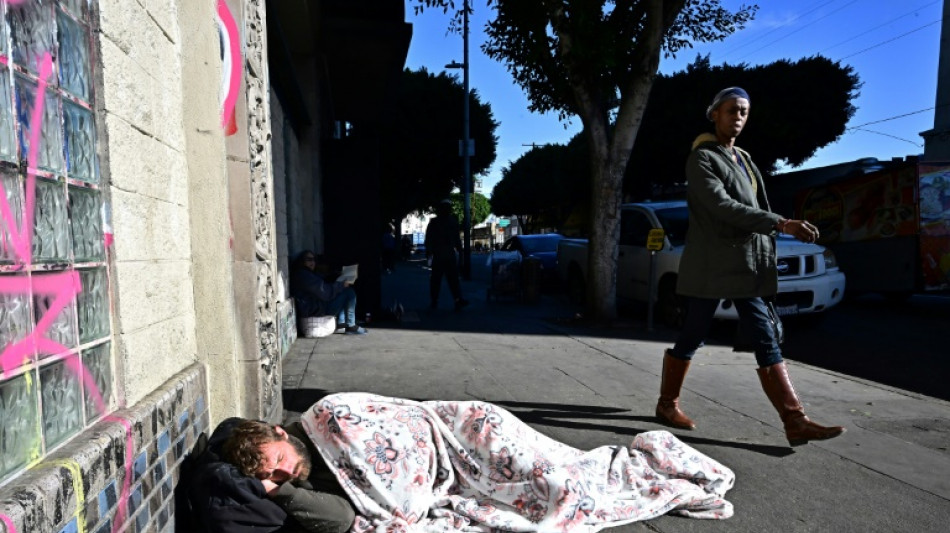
(672, 306)
(576, 288)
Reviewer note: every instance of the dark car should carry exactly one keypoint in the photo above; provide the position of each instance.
(543, 247)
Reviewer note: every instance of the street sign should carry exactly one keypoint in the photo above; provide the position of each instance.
(503, 222)
(655, 239)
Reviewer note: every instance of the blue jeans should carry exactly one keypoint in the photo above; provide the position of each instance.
(343, 306)
(753, 317)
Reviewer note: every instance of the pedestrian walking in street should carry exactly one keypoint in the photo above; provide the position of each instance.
(443, 245)
(730, 254)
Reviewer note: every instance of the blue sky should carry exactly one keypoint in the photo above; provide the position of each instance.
(892, 45)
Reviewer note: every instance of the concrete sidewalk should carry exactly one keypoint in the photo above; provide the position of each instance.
(591, 387)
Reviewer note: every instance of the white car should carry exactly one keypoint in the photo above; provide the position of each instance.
(809, 280)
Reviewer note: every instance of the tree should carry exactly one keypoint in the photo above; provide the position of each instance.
(595, 59)
(788, 120)
(544, 186)
(479, 203)
(420, 158)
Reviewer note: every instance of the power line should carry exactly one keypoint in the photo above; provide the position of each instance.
(913, 11)
(920, 145)
(892, 40)
(895, 117)
(786, 23)
(787, 35)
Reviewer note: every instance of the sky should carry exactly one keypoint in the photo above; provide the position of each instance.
(892, 45)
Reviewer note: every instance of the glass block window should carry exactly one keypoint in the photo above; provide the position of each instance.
(56, 366)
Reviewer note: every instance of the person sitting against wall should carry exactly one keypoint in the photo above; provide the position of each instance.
(314, 296)
(257, 477)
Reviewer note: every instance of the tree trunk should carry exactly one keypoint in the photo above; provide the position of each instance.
(610, 151)
(606, 191)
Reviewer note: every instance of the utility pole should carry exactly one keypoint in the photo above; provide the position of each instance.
(466, 155)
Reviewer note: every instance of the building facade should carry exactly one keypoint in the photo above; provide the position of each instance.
(161, 162)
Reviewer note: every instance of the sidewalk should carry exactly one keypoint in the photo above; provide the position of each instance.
(591, 387)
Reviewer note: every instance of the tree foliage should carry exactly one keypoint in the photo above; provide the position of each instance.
(479, 204)
(789, 120)
(673, 118)
(544, 186)
(420, 157)
(594, 58)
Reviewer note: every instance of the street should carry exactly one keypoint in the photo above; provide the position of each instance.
(904, 345)
(899, 344)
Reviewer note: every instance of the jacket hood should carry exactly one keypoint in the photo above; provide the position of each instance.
(704, 138)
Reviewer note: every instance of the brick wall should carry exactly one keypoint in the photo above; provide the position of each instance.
(120, 474)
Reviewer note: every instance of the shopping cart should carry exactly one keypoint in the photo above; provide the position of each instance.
(505, 275)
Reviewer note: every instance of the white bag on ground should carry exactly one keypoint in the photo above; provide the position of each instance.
(313, 327)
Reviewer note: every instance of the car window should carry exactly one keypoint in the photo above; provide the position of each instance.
(540, 244)
(634, 227)
(675, 222)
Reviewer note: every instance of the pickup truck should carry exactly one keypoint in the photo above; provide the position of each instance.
(809, 280)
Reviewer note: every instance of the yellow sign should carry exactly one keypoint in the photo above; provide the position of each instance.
(655, 239)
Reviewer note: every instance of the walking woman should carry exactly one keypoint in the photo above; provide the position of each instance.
(730, 253)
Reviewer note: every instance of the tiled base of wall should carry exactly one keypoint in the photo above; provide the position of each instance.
(117, 476)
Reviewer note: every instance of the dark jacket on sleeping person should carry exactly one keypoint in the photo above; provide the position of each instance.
(224, 500)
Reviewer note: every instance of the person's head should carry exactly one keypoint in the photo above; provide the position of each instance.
(264, 451)
(729, 112)
(444, 207)
(306, 259)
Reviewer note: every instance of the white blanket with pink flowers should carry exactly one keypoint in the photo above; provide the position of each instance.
(457, 466)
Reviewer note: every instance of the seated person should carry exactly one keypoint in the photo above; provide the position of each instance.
(314, 296)
(255, 477)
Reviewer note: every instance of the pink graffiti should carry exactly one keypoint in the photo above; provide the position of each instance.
(62, 287)
(22, 241)
(233, 49)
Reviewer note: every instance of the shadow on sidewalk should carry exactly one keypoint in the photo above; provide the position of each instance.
(566, 416)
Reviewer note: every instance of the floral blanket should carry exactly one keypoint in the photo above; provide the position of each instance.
(456, 466)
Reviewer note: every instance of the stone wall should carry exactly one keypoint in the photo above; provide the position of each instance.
(122, 470)
(144, 159)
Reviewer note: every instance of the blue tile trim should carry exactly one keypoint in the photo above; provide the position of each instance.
(107, 499)
(71, 527)
(164, 442)
(139, 466)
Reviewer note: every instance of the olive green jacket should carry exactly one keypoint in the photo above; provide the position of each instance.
(730, 244)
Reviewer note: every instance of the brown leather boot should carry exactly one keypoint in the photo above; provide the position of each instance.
(798, 428)
(667, 408)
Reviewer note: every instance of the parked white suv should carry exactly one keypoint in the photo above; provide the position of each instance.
(809, 280)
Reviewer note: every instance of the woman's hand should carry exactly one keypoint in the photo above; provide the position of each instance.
(802, 230)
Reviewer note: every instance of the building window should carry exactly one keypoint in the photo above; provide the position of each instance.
(56, 376)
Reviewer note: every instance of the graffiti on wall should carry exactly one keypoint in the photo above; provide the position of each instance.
(59, 288)
(286, 326)
(230, 39)
(62, 288)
